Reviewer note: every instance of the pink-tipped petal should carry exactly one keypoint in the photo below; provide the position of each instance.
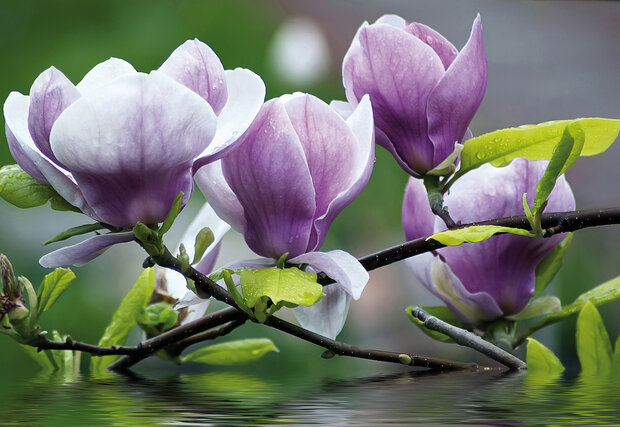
(442, 47)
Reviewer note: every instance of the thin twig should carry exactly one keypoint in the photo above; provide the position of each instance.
(208, 335)
(344, 349)
(153, 345)
(468, 339)
(42, 343)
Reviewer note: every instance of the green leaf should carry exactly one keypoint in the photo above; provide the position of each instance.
(150, 239)
(158, 318)
(204, 238)
(535, 142)
(616, 358)
(233, 352)
(593, 344)
(602, 294)
(551, 264)
(53, 285)
(74, 231)
(538, 307)
(540, 359)
(474, 234)
(442, 313)
(126, 316)
(21, 190)
(172, 215)
(289, 284)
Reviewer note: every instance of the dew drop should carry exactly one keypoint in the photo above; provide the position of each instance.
(429, 40)
(480, 156)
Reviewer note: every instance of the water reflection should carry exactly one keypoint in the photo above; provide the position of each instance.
(241, 398)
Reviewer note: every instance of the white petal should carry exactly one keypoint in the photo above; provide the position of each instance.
(341, 266)
(327, 316)
(345, 109)
(393, 20)
(102, 73)
(246, 93)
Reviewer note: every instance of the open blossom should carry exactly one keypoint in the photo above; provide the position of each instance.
(424, 92)
(121, 144)
(483, 281)
(296, 167)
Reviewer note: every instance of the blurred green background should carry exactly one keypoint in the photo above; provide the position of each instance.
(546, 61)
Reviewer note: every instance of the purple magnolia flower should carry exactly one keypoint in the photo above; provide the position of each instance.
(423, 91)
(483, 281)
(121, 144)
(296, 167)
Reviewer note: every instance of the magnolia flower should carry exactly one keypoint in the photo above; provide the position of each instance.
(121, 144)
(295, 168)
(423, 91)
(483, 281)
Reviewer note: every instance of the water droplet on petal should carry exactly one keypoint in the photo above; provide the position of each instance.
(429, 40)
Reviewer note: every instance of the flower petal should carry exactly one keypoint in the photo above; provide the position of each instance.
(269, 174)
(50, 94)
(85, 251)
(213, 185)
(382, 62)
(393, 20)
(358, 162)
(341, 266)
(418, 219)
(327, 316)
(130, 145)
(246, 93)
(103, 72)
(454, 101)
(442, 47)
(30, 158)
(339, 163)
(196, 66)
(196, 306)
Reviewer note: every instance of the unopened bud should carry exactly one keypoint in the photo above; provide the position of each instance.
(9, 282)
(18, 312)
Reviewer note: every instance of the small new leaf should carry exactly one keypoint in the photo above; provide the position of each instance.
(593, 344)
(126, 316)
(172, 215)
(541, 360)
(551, 264)
(280, 284)
(150, 239)
(442, 313)
(74, 231)
(233, 352)
(21, 190)
(204, 239)
(538, 307)
(53, 285)
(158, 318)
(474, 234)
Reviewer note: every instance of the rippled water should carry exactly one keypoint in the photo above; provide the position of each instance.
(239, 398)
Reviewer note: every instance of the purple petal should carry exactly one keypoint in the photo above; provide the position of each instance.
(104, 72)
(85, 251)
(360, 163)
(32, 160)
(327, 316)
(393, 20)
(457, 96)
(504, 265)
(213, 185)
(131, 145)
(340, 161)
(341, 266)
(442, 47)
(246, 93)
(254, 264)
(418, 219)
(50, 94)
(398, 71)
(196, 66)
(269, 174)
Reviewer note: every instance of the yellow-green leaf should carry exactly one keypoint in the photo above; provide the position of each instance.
(593, 344)
(474, 234)
(280, 284)
(550, 264)
(540, 359)
(233, 352)
(53, 285)
(126, 316)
